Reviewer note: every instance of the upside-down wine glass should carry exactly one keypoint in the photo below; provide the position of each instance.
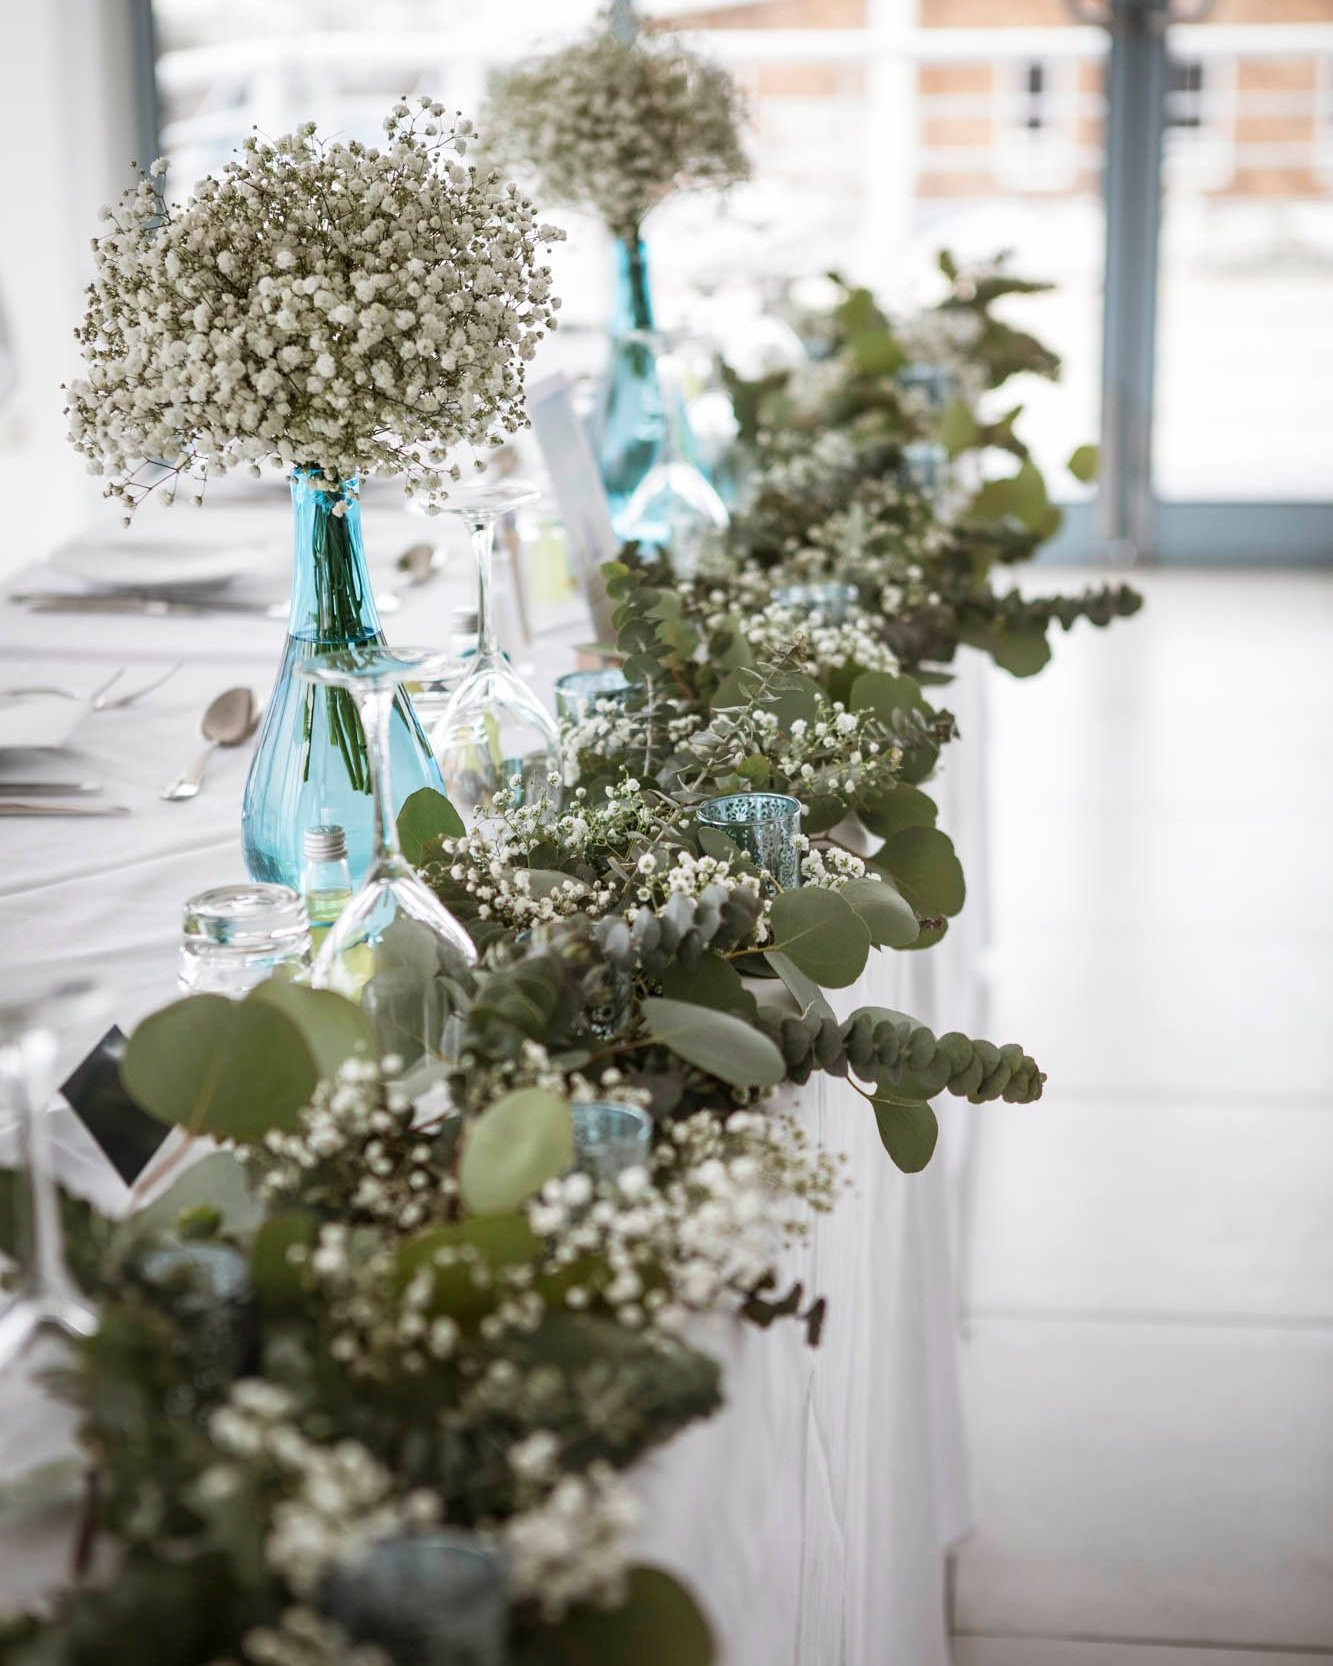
(494, 732)
(395, 947)
(46, 1305)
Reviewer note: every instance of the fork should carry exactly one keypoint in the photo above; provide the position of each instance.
(100, 700)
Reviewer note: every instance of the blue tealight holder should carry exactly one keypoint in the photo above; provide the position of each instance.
(765, 826)
(833, 602)
(609, 1138)
(925, 467)
(577, 692)
(437, 1599)
(935, 381)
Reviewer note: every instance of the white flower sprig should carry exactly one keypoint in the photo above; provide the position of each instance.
(322, 304)
(617, 122)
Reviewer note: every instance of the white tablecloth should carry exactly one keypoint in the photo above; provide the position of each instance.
(813, 1515)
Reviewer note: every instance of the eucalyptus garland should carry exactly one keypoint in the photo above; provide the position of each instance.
(390, 1301)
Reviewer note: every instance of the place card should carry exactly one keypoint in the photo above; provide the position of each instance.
(579, 493)
(128, 1136)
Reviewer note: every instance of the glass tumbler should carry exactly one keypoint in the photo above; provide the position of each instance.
(235, 936)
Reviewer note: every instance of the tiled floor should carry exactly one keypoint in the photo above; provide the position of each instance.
(1148, 1253)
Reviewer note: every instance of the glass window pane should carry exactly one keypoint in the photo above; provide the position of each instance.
(1244, 395)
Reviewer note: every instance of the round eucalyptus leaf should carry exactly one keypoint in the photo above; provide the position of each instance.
(901, 807)
(513, 1148)
(889, 917)
(235, 1070)
(333, 1028)
(658, 1624)
(426, 817)
(725, 1046)
(922, 863)
(822, 934)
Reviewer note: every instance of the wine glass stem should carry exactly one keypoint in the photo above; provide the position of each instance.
(483, 546)
(374, 703)
(45, 1272)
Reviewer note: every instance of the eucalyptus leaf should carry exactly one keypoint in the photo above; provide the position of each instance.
(886, 694)
(822, 934)
(718, 1042)
(714, 842)
(1085, 463)
(333, 1028)
(709, 982)
(1020, 652)
(908, 1132)
(901, 807)
(236, 1070)
(922, 863)
(804, 991)
(658, 1624)
(889, 917)
(426, 817)
(513, 1148)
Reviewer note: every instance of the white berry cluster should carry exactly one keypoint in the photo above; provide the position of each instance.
(346, 308)
(617, 122)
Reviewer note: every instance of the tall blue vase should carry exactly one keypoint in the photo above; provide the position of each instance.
(310, 767)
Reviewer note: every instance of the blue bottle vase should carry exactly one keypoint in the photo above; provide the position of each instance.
(310, 766)
(632, 430)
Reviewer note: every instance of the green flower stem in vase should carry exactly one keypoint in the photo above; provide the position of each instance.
(310, 767)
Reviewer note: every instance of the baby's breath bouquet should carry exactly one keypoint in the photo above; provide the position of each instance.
(618, 121)
(330, 305)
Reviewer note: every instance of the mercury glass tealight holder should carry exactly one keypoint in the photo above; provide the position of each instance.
(935, 382)
(765, 826)
(610, 1138)
(432, 1599)
(577, 692)
(833, 602)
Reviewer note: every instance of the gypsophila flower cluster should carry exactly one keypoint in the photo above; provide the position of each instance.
(841, 753)
(830, 868)
(573, 1546)
(815, 645)
(337, 1500)
(323, 304)
(304, 1638)
(617, 122)
(355, 1154)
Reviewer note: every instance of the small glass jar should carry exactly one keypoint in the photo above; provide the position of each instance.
(610, 1138)
(577, 692)
(235, 936)
(831, 602)
(326, 878)
(765, 826)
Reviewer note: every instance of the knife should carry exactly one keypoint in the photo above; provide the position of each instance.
(45, 807)
(59, 601)
(47, 789)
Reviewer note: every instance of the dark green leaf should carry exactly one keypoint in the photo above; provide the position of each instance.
(659, 1624)
(901, 807)
(822, 933)
(804, 991)
(923, 865)
(425, 818)
(908, 1132)
(718, 1042)
(889, 918)
(334, 1029)
(1085, 463)
(709, 982)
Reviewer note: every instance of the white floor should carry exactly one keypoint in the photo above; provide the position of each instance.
(1148, 1266)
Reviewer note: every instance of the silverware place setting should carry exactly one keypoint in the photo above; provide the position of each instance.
(229, 720)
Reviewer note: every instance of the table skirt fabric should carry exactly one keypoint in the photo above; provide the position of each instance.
(813, 1515)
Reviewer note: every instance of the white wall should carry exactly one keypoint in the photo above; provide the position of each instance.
(67, 136)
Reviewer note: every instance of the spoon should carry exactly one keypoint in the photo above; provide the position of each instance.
(232, 718)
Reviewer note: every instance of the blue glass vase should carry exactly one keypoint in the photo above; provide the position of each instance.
(310, 768)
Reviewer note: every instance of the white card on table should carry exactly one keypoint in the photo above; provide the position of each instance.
(578, 492)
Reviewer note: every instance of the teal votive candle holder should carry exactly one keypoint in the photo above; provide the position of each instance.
(833, 602)
(435, 1599)
(925, 467)
(577, 692)
(765, 826)
(609, 1138)
(936, 382)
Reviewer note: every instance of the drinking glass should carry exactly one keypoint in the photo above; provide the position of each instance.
(609, 1138)
(395, 946)
(45, 1306)
(494, 732)
(435, 1599)
(765, 826)
(235, 936)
